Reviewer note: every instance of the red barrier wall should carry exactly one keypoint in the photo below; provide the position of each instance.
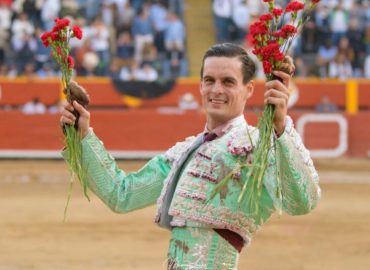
(151, 130)
(102, 93)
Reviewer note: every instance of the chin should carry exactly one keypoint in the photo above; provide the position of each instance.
(217, 115)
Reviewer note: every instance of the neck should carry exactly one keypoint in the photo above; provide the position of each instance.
(212, 124)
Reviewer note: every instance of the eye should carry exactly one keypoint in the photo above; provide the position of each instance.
(208, 80)
(228, 82)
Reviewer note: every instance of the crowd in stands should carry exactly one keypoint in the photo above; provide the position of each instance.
(335, 42)
(124, 39)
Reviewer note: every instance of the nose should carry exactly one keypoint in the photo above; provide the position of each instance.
(217, 88)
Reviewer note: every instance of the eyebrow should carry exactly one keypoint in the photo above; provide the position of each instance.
(222, 78)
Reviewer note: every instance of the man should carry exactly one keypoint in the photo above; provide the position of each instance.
(210, 233)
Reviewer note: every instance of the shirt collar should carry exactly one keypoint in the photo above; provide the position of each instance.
(222, 129)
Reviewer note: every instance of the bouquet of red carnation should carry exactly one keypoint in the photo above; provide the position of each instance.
(272, 38)
(58, 39)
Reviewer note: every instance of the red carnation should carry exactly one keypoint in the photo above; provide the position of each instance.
(278, 11)
(278, 56)
(288, 30)
(54, 36)
(278, 34)
(315, 1)
(267, 67)
(70, 61)
(60, 24)
(45, 39)
(258, 28)
(77, 32)
(267, 1)
(294, 6)
(266, 17)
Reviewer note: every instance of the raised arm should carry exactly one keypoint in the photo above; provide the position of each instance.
(290, 161)
(120, 191)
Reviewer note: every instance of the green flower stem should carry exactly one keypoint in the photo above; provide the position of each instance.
(73, 144)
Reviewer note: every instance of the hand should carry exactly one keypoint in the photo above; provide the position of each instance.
(83, 121)
(277, 93)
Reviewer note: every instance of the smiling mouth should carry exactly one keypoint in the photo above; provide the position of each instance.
(217, 101)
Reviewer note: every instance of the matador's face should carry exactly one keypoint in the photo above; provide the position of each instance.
(222, 89)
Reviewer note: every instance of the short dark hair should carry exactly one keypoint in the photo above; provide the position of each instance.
(231, 50)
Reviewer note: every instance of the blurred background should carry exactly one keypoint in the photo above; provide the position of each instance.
(140, 60)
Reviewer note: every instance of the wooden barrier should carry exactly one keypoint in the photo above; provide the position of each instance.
(150, 130)
(18, 91)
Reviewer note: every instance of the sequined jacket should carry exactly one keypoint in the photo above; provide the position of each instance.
(182, 179)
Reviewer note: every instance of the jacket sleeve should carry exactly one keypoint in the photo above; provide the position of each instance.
(120, 191)
(297, 174)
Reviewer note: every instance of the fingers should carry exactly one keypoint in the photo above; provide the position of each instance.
(284, 76)
(276, 97)
(67, 117)
(82, 111)
(277, 85)
(289, 64)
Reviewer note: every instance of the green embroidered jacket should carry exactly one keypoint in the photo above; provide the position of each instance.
(182, 179)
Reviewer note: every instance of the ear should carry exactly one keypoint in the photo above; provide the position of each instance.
(201, 86)
(250, 88)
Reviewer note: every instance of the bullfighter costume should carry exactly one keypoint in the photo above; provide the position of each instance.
(205, 234)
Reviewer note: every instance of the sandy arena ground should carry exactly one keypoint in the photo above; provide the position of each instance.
(336, 236)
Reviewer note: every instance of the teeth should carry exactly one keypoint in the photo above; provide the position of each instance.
(218, 101)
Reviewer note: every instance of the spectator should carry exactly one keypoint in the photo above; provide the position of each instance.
(158, 17)
(5, 16)
(137, 5)
(69, 8)
(126, 18)
(34, 107)
(326, 105)
(29, 71)
(241, 18)
(125, 48)
(12, 72)
(327, 53)
(310, 35)
(125, 74)
(42, 54)
(222, 11)
(340, 67)
(22, 27)
(46, 71)
(188, 102)
(357, 44)
(322, 14)
(345, 49)
(56, 107)
(175, 34)
(339, 20)
(33, 9)
(149, 54)
(49, 11)
(92, 9)
(4, 35)
(142, 32)
(99, 35)
(120, 4)
(24, 47)
(146, 73)
(3, 70)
